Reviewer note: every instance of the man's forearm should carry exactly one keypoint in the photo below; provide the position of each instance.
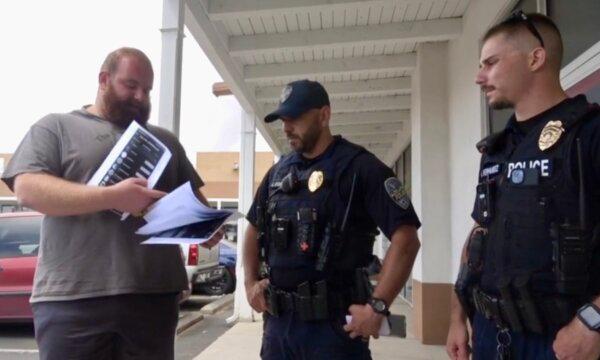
(398, 263)
(251, 255)
(58, 197)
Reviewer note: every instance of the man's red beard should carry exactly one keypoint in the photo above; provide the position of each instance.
(123, 112)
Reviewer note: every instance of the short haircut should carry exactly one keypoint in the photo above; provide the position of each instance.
(547, 29)
(112, 60)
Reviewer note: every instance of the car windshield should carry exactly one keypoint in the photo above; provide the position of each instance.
(19, 236)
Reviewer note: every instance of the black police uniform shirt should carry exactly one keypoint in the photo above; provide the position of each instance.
(589, 133)
(520, 228)
(372, 206)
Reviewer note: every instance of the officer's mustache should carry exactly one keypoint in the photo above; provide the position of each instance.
(485, 89)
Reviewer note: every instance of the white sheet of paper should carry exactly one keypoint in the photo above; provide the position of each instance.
(134, 155)
(178, 208)
(180, 240)
(384, 329)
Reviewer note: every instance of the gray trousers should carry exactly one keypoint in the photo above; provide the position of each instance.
(136, 326)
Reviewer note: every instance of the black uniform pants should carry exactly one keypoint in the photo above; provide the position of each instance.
(288, 338)
(136, 326)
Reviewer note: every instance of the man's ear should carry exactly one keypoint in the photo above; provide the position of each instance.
(537, 59)
(325, 113)
(103, 79)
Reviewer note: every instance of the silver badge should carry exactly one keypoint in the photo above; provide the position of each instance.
(285, 94)
(397, 193)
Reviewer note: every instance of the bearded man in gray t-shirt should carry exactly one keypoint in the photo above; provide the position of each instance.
(97, 292)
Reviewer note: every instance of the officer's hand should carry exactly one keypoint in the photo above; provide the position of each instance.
(365, 322)
(255, 293)
(214, 240)
(132, 195)
(457, 343)
(576, 341)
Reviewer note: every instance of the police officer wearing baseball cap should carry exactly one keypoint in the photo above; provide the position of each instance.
(313, 222)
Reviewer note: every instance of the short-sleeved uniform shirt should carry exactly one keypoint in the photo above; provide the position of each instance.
(96, 254)
(589, 133)
(373, 204)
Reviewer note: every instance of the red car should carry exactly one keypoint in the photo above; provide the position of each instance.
(19, 242)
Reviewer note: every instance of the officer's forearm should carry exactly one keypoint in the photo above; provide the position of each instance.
(457, 313)
(398, 263)
(250, 255)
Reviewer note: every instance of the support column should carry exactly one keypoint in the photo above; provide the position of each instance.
(430, 193)
(170, 67)
(242, 310)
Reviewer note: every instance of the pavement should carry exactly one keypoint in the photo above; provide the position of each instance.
(243, 341)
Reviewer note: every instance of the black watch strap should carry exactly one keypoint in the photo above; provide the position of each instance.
(379, 306)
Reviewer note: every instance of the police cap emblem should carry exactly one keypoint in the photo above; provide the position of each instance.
(550, 134)
(285, 94)
(397, 193)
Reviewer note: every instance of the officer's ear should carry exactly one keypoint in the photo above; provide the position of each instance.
(324, 116)
(537, 59)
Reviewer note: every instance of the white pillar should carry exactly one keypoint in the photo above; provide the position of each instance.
(431, 192)
(170, 67)
(242, 310)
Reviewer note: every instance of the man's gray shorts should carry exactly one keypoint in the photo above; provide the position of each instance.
(112, 327)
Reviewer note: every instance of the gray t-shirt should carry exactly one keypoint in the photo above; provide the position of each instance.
(96, 254)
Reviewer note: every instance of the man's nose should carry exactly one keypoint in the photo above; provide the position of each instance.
(480, 78)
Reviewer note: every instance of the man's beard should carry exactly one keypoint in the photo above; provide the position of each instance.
(123, 112)
(309, 140)
(501, 105)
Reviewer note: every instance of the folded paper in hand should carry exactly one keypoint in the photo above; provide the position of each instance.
(180, 218)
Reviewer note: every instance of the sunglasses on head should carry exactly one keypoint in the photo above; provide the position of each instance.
(522, 17)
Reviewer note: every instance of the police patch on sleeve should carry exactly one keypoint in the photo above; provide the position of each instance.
(397, 193)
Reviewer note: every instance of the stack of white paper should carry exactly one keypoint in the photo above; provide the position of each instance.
(179, 217)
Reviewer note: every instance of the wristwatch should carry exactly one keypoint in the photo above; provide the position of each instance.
(589, 314)
(379, 306)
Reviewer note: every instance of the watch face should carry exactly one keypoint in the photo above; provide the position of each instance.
(591, 316)
(378, 305)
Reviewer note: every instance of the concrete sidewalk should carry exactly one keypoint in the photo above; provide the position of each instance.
(243, 341)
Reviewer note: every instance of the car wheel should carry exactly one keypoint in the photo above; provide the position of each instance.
(224, 285)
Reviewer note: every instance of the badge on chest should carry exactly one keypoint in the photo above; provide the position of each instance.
(551, 133)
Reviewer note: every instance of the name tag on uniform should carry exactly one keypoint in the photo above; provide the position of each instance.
(490, 170)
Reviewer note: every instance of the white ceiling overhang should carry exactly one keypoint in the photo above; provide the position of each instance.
(363, 52)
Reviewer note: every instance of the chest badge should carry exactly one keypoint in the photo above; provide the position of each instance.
(550, 134)
(315, 181)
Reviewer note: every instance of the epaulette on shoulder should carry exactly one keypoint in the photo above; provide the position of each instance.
(491, 143)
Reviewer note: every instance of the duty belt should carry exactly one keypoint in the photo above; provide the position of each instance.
(313, 302)
(539, 315)
(306, 305)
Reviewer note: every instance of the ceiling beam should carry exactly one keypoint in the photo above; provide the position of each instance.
(376, 87)
(398, 32)
(370, 117)
(231, 9)
(205, 34)
(348, 66)
(397, 102)
(366, 129)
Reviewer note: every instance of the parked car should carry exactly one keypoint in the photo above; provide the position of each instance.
(19, 242)
(201, 265)
(225, 283)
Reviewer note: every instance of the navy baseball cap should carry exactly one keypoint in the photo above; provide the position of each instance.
(297, 98)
